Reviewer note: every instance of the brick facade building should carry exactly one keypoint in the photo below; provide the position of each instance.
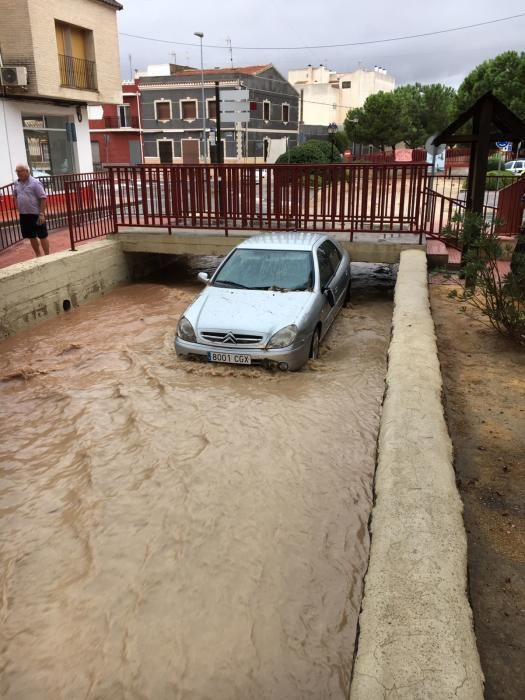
(168, 127)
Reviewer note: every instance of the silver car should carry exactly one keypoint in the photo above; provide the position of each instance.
(270, 302)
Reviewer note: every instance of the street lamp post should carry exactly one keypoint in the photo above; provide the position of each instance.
(201, 37)
(332, 130)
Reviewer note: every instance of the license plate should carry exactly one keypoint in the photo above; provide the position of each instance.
(233, 358)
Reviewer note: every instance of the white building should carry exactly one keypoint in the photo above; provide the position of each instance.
(56, 57)
(326, 96)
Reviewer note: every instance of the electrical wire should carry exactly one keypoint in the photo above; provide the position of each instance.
(331, 46)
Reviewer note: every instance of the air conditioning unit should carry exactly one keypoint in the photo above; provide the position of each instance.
(13, 76)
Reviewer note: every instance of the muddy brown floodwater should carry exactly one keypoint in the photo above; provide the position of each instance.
(178, 530)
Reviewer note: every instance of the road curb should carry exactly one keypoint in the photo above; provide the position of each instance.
(416, 637)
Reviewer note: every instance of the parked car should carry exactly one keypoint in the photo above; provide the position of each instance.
(515, 166)
(270, 302)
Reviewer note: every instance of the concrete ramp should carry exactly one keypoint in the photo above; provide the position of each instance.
(416, 637)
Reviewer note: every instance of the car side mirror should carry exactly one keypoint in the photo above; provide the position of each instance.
(328, 292)
(203, 276)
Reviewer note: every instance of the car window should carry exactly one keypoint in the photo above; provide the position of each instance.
(326, 269)
(509, 165)
(266, 269)
(334, 254)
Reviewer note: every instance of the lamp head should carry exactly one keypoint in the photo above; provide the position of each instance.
(199, 34)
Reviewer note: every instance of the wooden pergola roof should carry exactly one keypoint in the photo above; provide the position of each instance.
(509, 126)
(491, 121)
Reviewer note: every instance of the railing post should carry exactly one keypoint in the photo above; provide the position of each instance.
(69, 210)
(167, 174)
(112, 199)
(223, 214)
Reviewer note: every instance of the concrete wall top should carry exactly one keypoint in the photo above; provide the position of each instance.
(416, 633)
(187, 242)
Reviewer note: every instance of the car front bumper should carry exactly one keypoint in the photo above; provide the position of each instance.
(294, 357)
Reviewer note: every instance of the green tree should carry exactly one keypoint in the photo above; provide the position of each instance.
(307, 153)
(430, 108)
(382, 121)
(499, 296)
(326, 148)
(341, 140)
(503, 75)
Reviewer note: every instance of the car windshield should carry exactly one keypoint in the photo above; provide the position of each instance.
(286, 270)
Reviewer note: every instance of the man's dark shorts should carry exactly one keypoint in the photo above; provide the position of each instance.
(30, 229)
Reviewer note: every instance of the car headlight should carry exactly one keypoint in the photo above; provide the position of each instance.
(185, 330)
(283, 338)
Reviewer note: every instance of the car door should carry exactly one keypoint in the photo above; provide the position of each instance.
(326, 274)
(332, 276)
(341, 276)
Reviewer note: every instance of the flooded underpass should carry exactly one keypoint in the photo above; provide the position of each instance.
(180, 530)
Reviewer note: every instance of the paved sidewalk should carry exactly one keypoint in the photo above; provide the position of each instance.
(22, 251)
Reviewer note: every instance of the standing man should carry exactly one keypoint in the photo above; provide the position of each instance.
(31, 199)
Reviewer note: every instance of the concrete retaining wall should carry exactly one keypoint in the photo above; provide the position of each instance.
(182, 242)
(416, 637)
(36, 290)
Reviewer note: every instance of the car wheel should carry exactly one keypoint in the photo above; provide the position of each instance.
(314, 347)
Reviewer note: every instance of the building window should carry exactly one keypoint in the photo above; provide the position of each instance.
(212, 108)
(162, 110)
(286, 113)
(346, 84)
(75, 54)
(266, 111)
(124, 115)
(188, 109)
(49, 144)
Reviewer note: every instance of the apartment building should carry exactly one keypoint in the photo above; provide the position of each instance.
(116, 129)
(57, 57)
(326, 96)
(163, 118)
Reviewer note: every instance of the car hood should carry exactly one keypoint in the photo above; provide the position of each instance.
(263, 311)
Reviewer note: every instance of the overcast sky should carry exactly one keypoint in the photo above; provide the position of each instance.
(259, 34)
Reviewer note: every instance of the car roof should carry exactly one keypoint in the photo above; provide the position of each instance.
(289, 240)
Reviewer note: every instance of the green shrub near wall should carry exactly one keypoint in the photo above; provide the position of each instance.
(496, 179)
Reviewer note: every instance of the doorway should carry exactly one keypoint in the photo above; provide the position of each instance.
(190, 151)
(165, 151)
(134, 153)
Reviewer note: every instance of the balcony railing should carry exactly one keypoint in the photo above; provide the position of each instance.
(77, 73)
(117, 123)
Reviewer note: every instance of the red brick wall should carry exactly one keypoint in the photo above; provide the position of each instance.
(117, 147)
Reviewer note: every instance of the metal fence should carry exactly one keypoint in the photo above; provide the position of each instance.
(347, 197)
(77, 72)
(83, 206)
(389, 198)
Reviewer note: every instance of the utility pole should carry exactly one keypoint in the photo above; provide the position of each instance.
(201, 36)
(220, 155)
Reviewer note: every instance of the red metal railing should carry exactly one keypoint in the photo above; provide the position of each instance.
(510, 207)
(351, 198)
(90, 209)
(502, 210)
(348, 197)
(460, 157)
(418, 155)
(82, 206)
